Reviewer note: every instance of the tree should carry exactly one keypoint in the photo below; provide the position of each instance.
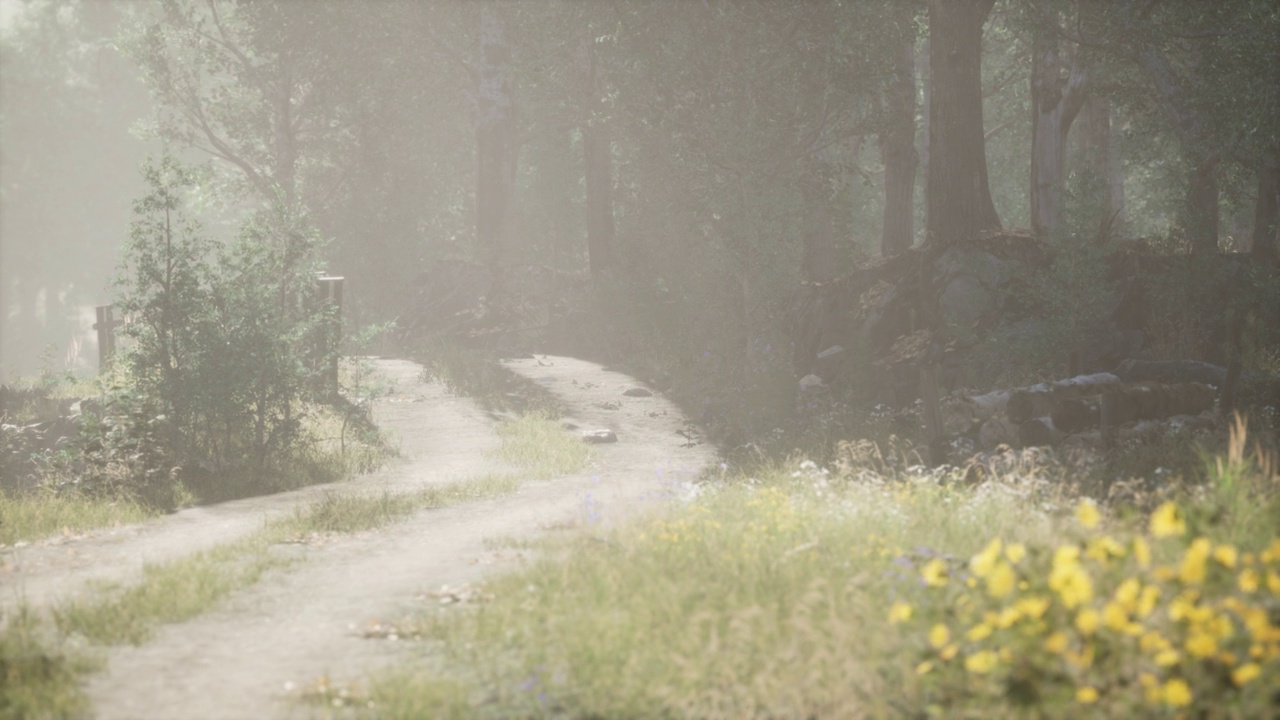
(497, 150)
(1058, 91)
(898, 138)
(957, 195)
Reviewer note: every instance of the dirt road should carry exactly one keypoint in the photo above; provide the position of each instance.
(241, 660)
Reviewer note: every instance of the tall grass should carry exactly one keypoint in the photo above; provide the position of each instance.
(878, 594)
(35, 515)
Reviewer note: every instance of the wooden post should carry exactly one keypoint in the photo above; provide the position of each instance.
(329, 297)
(1107, 420)
(106, 327)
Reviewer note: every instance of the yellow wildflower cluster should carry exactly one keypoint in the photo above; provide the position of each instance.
(1104, 620)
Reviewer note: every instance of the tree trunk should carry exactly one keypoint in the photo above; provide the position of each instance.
(898, 146)
(495, 142)
(958, 197)
(1266, 212)
(1055, 102)
(817, 230)
(1104, 165)
(1202, 204)
(598, 162)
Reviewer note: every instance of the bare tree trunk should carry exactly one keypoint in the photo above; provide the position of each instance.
(819, 261)
(598, 162)
(495, 142)
(1202, 204)
(958, 196)
(1104, 165)
(1055, 102)
(1266, 212)
(898, 146)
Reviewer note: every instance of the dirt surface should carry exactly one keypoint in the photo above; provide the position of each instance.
(251, 657)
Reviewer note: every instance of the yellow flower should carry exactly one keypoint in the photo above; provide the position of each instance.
(1147, 603)
(1150, 686)
(1104, 548)
(1177, 693)
(1126, 595)
(948, 652)
(924, 667)
(1015, 552)
(1067, 578)
(1087, 514)
(979, 632)
(1192, 569)
(1056, 643)
(1248, 581)
(1142, 553)
(1033, 607)
(1086, 695)
(1243, 674)
(1226, 556)
(1152, 640)
(934, 573)
(981, 663)
(1000, 581)
(939, 636)
(982, 563)
(1115, 617)
(899, 612)
(1008, 617)
(1087, 621)
(1167, 658)
(1273, 582)
(1167, 521)
(1201, 645)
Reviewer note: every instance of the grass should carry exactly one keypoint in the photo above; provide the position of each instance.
(40, 680)
(539, 446)
(479, 375)
(879, 593)
(31, 516)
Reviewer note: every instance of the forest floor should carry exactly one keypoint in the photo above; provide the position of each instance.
(256, 654)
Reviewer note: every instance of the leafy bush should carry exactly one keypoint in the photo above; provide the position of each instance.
(225, 345)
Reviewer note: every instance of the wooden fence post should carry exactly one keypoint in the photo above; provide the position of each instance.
(106, 327)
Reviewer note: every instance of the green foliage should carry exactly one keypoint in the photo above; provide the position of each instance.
(37, 680)
(224, 346)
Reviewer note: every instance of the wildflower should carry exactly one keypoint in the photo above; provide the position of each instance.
(1248, 581)
(1167, 521)
(924, 667)
(1150, 687)
(1087, 514)
(899, 612)
(1015, 552)
(1142, 553)
(1032, 607)
(1193, 562)
(1086, 695)
(1001, 580)
(1273, 582)
(934, 573)
(1167, 658)
(939, 636)
(981, 662)
(1087, 621)
(1201, 645)
(1008, 617)
(1243, 674)
(1177, 693)
(979, 632)
(1068, 579)
(983, 562)
(1104, 548)
(948, 652)
(1147, 603)
(1226, 555)
(1115, 617)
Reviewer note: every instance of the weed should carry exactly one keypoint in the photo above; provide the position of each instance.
(34, 515)
(37, 680)
(541, 447)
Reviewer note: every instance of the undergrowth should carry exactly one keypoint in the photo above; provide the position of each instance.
(880, 591)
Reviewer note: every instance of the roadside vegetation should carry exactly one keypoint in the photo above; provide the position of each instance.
(41, 663)
(879, 589)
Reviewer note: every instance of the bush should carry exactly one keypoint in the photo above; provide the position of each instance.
(225, 347)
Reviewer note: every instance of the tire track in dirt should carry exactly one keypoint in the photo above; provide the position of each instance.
(298, 625)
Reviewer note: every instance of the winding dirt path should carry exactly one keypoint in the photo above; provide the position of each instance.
(307, 622)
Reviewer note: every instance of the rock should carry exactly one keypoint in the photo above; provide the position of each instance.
(810, 382)
(638, 392)
(598, 437)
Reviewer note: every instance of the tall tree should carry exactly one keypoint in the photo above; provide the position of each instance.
(597, 158)
(1058, 90)
(957, 195)
(496, 140)
(898, 137)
